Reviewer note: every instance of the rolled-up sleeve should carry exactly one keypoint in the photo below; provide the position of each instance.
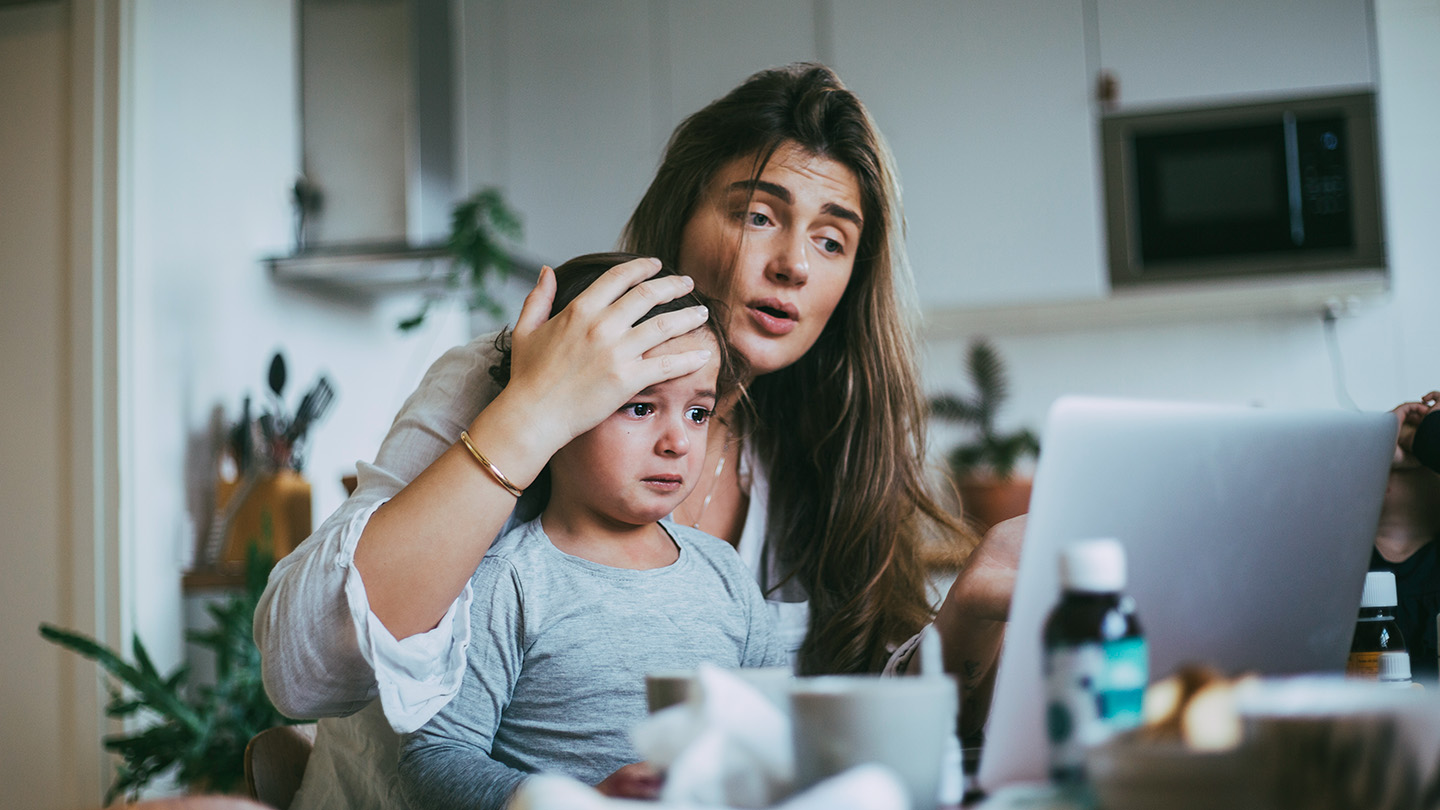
(417, 676)
(324, 653)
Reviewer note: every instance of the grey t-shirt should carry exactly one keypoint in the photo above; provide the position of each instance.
(555, 677)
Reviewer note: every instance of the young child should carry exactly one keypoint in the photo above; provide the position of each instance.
(572, 608)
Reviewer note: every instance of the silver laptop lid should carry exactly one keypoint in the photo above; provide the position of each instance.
(1247, 532)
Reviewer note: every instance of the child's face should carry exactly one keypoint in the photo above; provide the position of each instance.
(641, 462)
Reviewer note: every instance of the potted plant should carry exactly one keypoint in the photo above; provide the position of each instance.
(480, 228)
(983, 469)
(200, 730)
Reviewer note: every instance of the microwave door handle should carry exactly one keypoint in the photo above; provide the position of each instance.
(1292, 173)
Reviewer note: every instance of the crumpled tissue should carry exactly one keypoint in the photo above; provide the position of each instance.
(727, 745)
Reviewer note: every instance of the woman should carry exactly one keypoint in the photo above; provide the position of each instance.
(779, 199)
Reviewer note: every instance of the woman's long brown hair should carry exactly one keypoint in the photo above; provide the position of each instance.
(842, 431)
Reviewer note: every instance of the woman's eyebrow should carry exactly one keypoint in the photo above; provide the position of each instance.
(773, 189)
(783, 194)
(842, 212)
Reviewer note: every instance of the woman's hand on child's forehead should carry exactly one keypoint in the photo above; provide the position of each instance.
(592, 357)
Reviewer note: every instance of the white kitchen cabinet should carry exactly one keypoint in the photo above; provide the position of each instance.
(568, 106)
(987, 108)
(1170, 53)
(714, 46)
(355, 91)
(559, 101)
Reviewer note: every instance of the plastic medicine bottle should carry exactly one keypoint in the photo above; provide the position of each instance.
(1378, 651)
(1096, 663)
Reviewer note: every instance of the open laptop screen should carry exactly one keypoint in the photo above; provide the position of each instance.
(1247, 532)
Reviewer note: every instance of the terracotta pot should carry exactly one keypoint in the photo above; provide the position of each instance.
(988, 500)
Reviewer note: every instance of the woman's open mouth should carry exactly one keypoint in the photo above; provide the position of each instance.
(773, 317)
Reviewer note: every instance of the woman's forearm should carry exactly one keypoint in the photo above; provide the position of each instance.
(420, 548)
(971, 646)
(971, 621)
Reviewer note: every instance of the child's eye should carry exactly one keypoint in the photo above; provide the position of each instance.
(698, 415)
(638, 409)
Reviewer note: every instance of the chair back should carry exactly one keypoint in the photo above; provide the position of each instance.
(275, 762)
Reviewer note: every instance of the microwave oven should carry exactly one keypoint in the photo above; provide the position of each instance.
(1263, 189)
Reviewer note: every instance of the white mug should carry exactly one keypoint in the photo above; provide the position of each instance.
(665, 688)
(840, 721)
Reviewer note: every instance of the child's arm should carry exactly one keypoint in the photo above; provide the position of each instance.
(448, 763)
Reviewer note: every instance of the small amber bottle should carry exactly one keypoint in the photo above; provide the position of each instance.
(1377, 652)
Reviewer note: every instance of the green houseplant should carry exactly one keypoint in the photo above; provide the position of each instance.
(983, 468)
(200, 730)
(481, 227)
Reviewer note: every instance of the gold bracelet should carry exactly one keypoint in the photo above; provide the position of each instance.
(490, 468)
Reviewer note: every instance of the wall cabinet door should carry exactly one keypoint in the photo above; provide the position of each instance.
(558, 106)
(987, 109)
(712, 47)
(568, 106)
(1171, 53)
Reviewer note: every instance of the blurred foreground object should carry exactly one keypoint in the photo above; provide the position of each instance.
(1298, 743)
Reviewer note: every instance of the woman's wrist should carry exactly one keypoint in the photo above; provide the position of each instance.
(518, 437)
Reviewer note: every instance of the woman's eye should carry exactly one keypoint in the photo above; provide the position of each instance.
(698, 415)
(757, 219)
(638, 409)
(831, 246)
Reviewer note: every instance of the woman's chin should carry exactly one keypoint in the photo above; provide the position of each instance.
(766, 355)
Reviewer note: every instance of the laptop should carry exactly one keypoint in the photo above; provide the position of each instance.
(1247, 534)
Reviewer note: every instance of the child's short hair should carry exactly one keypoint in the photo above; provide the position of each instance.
(575, 276)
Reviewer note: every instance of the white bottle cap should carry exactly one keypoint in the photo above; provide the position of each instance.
(1096, 565)
(1394, 666)
(1379, 590)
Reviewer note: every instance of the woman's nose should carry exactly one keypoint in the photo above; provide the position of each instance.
(791, 263)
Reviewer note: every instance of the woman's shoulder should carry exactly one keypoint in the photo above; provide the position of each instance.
(455, 387)
(466, 363)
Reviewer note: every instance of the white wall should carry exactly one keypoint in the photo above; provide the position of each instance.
(215, 145)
